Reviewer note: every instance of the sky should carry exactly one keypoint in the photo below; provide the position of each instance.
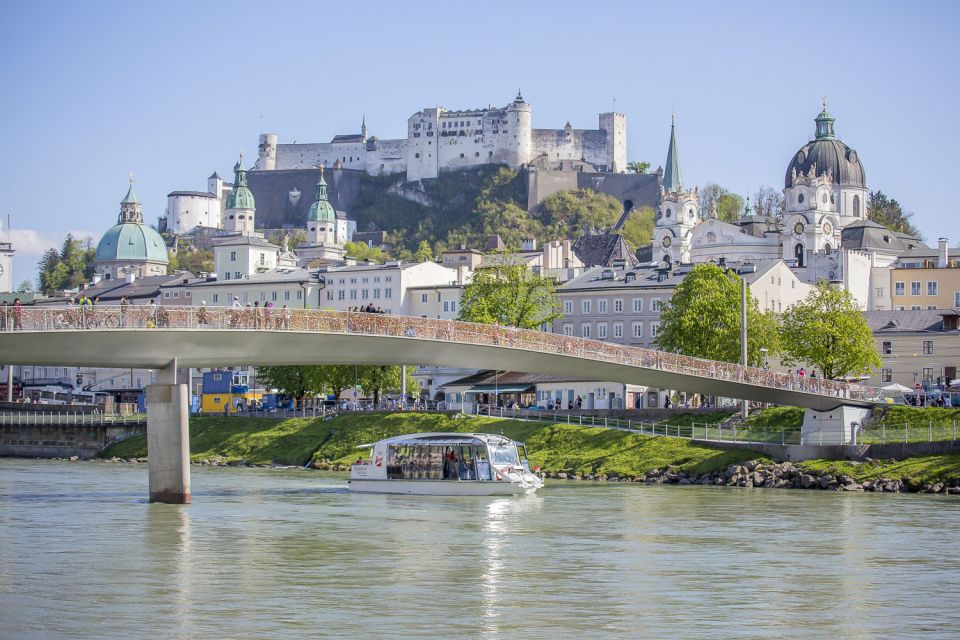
(172, 91)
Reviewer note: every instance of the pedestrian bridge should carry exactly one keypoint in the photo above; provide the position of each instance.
(180, 336)
(176, 337)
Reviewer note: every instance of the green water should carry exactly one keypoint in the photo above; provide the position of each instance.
(290, 553)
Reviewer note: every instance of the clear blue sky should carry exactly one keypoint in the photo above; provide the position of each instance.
(171, 91)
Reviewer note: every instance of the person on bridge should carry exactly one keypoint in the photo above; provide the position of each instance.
(4, 311)
(17, 315)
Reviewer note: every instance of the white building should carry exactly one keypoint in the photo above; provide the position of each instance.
(441, 140)
(6, 267)
(189, 209)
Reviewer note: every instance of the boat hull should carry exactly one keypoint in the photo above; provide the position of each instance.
(441, 487)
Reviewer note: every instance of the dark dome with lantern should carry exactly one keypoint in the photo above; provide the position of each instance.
(828, 154)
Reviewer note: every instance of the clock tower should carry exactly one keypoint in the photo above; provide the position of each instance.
(678, 211)
(6, 267)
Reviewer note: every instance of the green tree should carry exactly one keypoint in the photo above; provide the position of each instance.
(827, 331)
(298, 381)
(26, 285)
(380, 379)
(68, 268)
(702, 319)
(729, 205)
(510, 294)
(638, 167)
(889, 213)
(336, 378)
(638, 229)
(361, 251)
(192, 260)
(570, 213)
(295, 237)
(424, 252)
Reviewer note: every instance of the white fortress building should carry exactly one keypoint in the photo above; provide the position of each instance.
(441, 140)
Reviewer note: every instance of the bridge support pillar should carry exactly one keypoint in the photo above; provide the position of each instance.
(832, 427)
(168, 439)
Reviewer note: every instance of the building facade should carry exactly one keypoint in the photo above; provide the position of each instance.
(442, 140)
(926, 279)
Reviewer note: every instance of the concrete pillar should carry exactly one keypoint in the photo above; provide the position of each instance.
(9, 383)
(168, 438)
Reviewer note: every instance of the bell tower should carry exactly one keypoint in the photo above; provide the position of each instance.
(678, 210)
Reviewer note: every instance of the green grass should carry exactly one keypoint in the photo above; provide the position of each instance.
(555, 447)
(922, 469)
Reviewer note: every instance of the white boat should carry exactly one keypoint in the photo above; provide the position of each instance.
(445, 464)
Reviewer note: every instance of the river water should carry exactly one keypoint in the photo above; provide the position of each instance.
(288, 553)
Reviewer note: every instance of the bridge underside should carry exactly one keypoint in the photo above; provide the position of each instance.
(158, 348)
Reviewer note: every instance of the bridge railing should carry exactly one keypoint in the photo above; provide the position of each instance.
(378, 324)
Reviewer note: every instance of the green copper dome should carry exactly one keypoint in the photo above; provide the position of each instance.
(321, 210)
(240, 196)
(132, 241)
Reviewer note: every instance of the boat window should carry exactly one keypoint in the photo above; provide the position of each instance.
(522, 451)
(506, 454)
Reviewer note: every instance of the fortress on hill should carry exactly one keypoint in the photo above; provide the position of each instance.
(441, 140)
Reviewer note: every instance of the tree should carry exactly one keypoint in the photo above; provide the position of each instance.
(827, 331)
(379, 379)
(424, 252)
(729, 205)
(638, 167)
(638, 229)
(768, 202)
(295, 237)
(361, 251)
(298, 381)
(68, 268)
(702, 319)
(889, 213)
(26, 285)
(570, 213)
(510, 294)
(192, 260)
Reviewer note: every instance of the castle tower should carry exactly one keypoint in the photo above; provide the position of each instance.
(520, 117)
(321, 218)
(615, 126)
(363, 128)
(240, 207)
(267, 160)
(678, 211)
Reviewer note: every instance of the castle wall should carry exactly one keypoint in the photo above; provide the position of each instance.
(309, 156)
(187, 210)
(571, 144)
(385, 157)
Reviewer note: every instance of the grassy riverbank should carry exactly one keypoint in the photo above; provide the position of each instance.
(555, 447)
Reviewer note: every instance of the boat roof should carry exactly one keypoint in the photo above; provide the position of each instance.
(441, 439)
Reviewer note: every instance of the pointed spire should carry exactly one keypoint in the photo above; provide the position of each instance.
(130, 207)
(519, 97)
(672, 179)
(363, 131)
(239, 173)
(321, 186)
(131, 197)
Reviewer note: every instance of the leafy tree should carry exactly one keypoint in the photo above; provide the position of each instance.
(729, 205)
(577, 210)
(192, 260)
(26, 285)
(767, 202)
(702, 319)
(298, 381)
(889, 213)
(510, 294)
(638, 167)
(338, 377)
(379, 379)
(68, 268)
(827, 331)
(362, 251)
(638, 229)
(424, 252)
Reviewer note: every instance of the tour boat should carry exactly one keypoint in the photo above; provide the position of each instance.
(445, 464)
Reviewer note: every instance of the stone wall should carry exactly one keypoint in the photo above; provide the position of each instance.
(61, 441)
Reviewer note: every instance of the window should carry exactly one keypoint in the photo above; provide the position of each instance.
(216, 298)
(341, 295)
(617, 329)
(887, 348)
(176, 294)
(286, 295)
(618, 305)
(585, 330)
(329, 294)
(638, 305)
(166, 294)
(915, 307)
(655, 305)
(186, 294)
(932, 288)
(567, 307)
(654, 329)
(568, 329)
(299, 294)
(899, 288)
(914, 288)
(388, 293)
(237, 275)
(956, 298)
(453, 305)
(423, 297)
(856, 206)
(233, 256)
(928, 347)
(880, 292)
(886, 375)
(928, 375)
(602, 330)
(931, 307)
(245, 298)
(601, 306)
(365, 294)
(586, 306)
(353, 294)
(637, 329)
(376, 293)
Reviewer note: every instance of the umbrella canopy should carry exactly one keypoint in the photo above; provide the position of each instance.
(897, 388)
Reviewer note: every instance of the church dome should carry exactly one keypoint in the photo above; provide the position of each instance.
(240, 197)
(132, 241)
(828, 154)
(321, 210)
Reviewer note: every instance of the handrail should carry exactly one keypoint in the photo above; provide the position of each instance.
(126, 318)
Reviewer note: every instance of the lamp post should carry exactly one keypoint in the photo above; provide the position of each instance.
(743, 336)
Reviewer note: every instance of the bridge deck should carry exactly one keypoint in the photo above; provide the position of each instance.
(145, 337)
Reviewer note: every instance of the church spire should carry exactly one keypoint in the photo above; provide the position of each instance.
(672, 179)
(363, 133)
(321, 187)
(130, 206)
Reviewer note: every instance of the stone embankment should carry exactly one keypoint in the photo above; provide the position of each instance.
(783, 475)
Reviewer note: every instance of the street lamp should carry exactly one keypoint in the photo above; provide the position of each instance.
(766, 365)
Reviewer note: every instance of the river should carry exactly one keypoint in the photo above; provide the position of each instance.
(287, 553)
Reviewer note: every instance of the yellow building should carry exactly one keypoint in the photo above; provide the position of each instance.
(926, 279)
(230, 402)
